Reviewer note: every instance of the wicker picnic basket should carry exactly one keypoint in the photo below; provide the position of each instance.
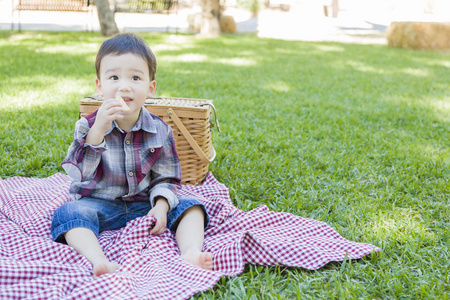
(191, 123)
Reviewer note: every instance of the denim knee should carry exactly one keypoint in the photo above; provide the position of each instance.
(174, 216)
(71, 215)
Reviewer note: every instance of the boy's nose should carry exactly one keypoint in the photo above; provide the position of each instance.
(124, 87)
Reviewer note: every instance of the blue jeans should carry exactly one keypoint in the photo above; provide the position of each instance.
(99, 215)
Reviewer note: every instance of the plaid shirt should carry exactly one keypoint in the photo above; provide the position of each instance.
(138, 165)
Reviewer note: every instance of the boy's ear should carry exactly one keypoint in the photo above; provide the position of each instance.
(152, 89)
(99, 87)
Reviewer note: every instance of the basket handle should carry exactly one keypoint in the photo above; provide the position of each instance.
(215, 114)
(190, 139)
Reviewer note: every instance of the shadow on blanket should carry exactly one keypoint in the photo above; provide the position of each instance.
(32, 265)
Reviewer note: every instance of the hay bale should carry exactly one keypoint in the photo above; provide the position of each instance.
(227, 24)
(419, 35)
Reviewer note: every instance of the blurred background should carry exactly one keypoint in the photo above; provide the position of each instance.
(361, 21)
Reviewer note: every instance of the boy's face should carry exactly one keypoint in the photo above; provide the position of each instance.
(126, 75)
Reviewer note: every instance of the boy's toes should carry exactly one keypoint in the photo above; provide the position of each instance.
(206, 261)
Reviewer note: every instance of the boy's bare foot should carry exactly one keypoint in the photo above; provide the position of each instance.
(203, 260)
(105, 268)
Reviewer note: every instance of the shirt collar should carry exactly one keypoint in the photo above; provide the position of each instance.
(145, 122)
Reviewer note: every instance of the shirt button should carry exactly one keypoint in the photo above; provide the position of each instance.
(127, 142)
(131, 174)
(152, 150)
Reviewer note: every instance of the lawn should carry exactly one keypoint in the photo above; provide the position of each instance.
(357, 136)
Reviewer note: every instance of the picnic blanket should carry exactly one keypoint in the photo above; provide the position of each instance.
(32, 266)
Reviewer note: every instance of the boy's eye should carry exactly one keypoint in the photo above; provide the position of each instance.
(135, 78)
(114, 77)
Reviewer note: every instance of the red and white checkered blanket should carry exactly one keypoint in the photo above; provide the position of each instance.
(32, 266)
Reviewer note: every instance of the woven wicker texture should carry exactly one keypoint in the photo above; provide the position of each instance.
(195, 117)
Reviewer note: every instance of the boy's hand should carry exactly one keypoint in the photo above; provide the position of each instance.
(159, 211)
(109, 111)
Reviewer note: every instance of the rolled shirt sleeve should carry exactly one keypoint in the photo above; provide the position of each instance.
(82, 159)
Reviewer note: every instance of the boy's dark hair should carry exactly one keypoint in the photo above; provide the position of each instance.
(127, 43)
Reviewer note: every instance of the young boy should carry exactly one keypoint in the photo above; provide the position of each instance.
(124, 164)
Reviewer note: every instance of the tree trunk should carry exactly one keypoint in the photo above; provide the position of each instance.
(210, 18)
(108, 25)
(335, 8)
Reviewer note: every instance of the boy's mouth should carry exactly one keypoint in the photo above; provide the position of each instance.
(127, 99)
(122, 102)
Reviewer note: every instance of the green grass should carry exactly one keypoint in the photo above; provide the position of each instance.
(353, 135)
